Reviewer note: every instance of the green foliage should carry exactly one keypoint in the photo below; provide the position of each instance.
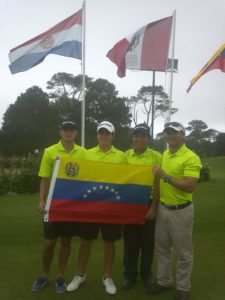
(19, 175)
(219, 145)
(200, 139)
(32, 122)
(150, 101)
(4, 182)
(102, 103)
(27, 123)
(66, 85)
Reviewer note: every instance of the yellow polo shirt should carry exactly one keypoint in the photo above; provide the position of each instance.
(55, 151)
(183, 163)
(113, 155)
(148, 157)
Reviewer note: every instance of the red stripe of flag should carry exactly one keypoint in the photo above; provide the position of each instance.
(63, 25)
(94, 211)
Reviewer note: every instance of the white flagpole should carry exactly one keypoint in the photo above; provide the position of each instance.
(51, 189)
(83, 74)
(172, 67)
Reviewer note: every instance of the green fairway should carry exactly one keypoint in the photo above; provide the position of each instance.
(21, 237)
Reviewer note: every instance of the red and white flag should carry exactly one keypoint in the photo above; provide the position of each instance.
(147, 49)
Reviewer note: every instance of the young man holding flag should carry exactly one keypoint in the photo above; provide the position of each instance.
(54, 230)
(104, 152)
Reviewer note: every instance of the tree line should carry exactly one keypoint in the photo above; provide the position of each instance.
(32, 121)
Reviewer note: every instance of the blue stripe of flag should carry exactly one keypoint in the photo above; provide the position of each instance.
(24, 63)
(100, 191)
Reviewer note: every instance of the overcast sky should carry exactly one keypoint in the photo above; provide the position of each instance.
(200, 28)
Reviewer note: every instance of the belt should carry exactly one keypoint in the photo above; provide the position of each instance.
(176, 207)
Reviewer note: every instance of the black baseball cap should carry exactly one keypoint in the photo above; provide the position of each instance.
(142, 128)
(68, 125)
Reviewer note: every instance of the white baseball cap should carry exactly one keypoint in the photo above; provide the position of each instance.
(106, 125)
(177, 126)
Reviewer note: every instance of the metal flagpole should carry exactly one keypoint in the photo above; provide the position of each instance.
(83, 74)
(153, 104)
(172, 67)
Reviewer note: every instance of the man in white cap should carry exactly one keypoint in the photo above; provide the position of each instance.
(104, 152)
(178, 174)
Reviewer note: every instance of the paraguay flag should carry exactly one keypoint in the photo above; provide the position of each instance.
(146, 49)
(217, 61)
(90, 191)
(64, 39)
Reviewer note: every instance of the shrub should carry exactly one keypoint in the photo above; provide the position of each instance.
(4, 181)
(20, 175)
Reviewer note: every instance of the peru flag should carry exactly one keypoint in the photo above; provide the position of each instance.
(64, 39)
(147, 49)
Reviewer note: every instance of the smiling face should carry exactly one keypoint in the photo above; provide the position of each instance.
(68, 135)
(174, 138)
(140, 140)
(105, 138)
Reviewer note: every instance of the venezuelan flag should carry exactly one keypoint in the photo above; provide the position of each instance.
(90, 191)
(217, 61)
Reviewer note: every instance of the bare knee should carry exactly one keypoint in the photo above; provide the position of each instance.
(108, 245)
(85, 243)
(49, 245)
(65, 242)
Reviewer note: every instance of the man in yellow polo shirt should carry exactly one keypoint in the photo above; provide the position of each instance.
(139, 239)
(54, 230)
(179, 174)
(104, 152)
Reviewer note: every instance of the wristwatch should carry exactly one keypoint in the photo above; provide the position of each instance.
(166, 178)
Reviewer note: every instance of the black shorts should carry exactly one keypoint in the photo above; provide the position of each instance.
(89, 231)
(53, 230)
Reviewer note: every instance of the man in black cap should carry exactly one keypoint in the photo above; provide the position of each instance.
(54, 230)
(139, 239)
(178, 174)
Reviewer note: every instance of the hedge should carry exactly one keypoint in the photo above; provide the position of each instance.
(19, 175)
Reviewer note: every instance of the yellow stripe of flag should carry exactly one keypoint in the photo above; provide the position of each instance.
(207, 65)
(105, 172)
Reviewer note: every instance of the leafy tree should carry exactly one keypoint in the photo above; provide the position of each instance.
(219, 144)
(103, 103)
(143, 103)
(159, 142)
(26, 122)
(66, 85)
(200, 137)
